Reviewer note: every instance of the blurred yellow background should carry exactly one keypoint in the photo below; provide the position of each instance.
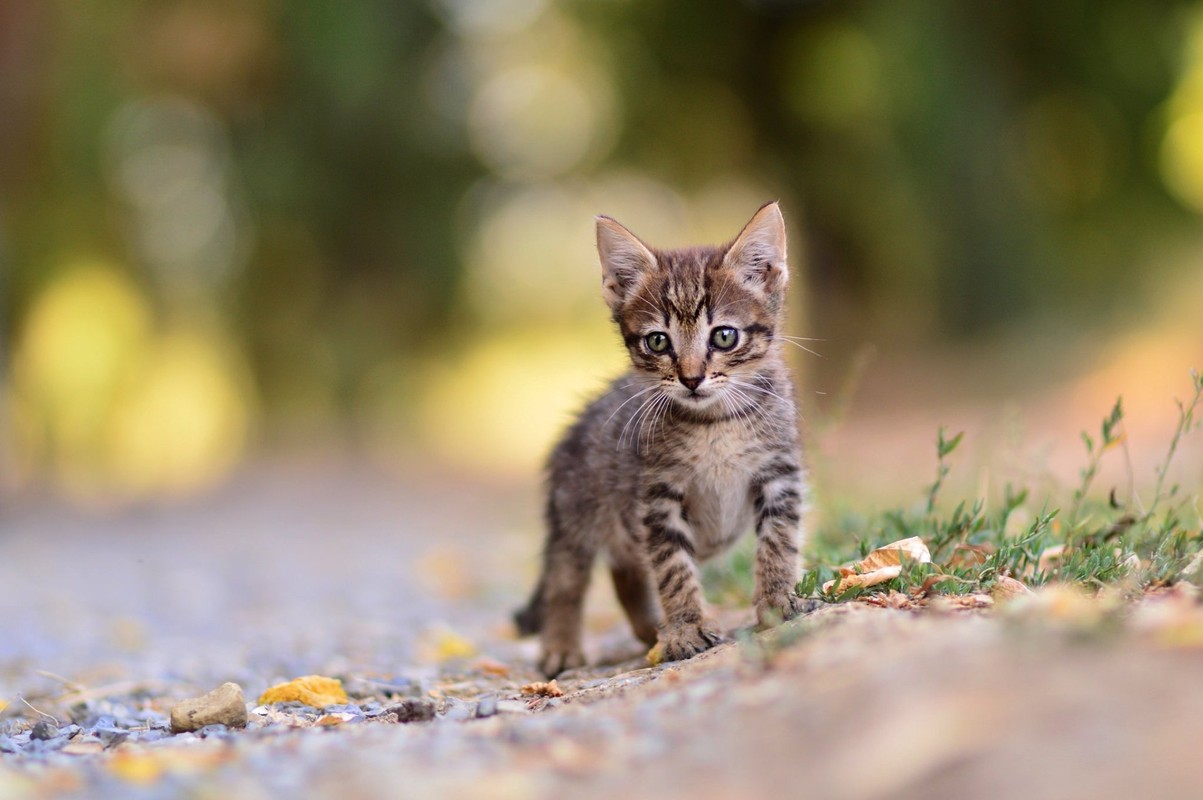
(231, 228)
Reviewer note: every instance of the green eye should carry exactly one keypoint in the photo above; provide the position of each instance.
(657, 341)
(724, 338)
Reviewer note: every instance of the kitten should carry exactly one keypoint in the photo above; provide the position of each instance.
(697, 444)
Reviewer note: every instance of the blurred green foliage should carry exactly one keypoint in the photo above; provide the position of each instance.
(336, 188)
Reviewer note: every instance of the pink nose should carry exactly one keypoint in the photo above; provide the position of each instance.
(692, 383)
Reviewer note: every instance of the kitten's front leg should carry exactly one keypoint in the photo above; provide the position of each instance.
(668, 541)
(777, 491)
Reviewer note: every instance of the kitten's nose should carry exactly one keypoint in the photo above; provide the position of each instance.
(692, 383)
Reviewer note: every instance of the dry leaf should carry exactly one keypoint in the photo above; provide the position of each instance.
(1190, 571)
(82, 748)
(1051, 557)
(970, 555)
(891, 600)
(312, 690)
(881, 565)
(655, 655)
(929, 583)
(543, 689)
(330, 720)
(490, 667)
(971, 601)
(1005, 588)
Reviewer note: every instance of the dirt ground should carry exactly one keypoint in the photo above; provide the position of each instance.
(402, 587)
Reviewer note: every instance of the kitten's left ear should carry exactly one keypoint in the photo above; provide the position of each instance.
(758, 254)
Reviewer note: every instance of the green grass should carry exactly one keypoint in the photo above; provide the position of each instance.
(1104, 543)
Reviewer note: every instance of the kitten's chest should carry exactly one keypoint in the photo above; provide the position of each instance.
(717, 495)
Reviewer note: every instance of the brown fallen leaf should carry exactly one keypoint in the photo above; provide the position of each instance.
(929, 583)
(881, 565)
(969, 601)
(490, 667)
(891, 600)
(543, 689)
(331, 720)
(1006, 588)
(970, 555)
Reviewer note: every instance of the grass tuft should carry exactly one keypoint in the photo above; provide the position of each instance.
(1098, 543)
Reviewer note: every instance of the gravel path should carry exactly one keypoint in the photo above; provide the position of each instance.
(402, 588)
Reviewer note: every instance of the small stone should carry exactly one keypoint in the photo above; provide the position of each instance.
(413, 710)
(222, 706)
(455, 710)
(487, 707)
(43, 730)
(111, 737)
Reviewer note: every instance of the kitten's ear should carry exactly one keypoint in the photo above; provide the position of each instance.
(624, 260)
(758, 254)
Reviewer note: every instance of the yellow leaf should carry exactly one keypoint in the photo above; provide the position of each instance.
(881, 565)
(443, 644)
(312, 690)
(3, 705)
(136, 767)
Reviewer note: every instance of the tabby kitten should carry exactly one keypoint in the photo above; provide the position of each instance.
(694, 446)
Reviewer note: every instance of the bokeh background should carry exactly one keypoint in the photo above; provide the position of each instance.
(234, 232)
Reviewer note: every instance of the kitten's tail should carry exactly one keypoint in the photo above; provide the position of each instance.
(529, 618)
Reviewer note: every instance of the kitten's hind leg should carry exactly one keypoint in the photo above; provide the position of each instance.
(632, 584)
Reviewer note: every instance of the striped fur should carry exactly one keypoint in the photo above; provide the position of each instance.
(693, 447)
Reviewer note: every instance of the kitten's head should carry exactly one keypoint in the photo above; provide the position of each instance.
(700, 320)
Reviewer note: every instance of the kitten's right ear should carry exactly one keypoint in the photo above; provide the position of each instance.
(624, 260)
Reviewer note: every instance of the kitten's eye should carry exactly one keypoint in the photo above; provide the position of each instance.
(657, 341)
(724, 338)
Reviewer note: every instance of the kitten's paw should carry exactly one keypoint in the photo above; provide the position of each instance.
(678, 642)
(553, 661)
(776, 607)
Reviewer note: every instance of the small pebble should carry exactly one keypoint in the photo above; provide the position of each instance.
(43, 730)
(224, 705)
(111, 737)
(413, 710)
(457, 711)
(487, 706)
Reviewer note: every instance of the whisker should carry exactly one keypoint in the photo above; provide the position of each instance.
(642, 411)
(656, 414)
(752, 423)
(629, 399)
(650, 414)
(649, 304)
(757, 388)
(735, 411)
(789, 340)
(622, 434)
